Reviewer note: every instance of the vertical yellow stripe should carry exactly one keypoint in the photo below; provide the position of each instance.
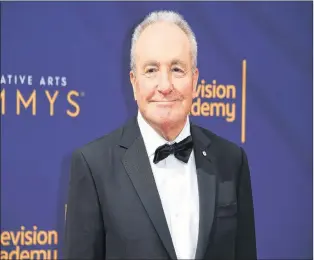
(243, 122)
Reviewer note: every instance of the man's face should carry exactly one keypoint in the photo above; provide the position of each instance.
(164, 81)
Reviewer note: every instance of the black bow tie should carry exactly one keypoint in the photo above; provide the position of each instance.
(181, 150)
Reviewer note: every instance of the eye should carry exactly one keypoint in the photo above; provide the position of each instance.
(150, 70)
(178, 72)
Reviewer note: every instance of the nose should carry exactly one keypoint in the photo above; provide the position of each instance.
(165, 83)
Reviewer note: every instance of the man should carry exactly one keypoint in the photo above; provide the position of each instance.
(160, 187)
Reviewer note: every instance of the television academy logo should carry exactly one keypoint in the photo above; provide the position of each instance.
(219, 100)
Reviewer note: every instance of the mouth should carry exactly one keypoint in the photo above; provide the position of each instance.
(164, 102)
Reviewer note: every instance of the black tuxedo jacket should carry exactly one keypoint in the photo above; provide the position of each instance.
(114, 210)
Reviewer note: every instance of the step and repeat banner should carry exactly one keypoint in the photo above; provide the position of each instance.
(65, 82)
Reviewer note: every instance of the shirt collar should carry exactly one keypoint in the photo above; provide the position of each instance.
(153, 140)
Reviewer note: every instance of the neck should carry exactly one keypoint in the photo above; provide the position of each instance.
(168, 130)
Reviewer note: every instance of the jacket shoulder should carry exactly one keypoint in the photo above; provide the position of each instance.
(229, 157)
(222, 146)
(101, 144)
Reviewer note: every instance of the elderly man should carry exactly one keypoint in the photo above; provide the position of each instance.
(161, 187)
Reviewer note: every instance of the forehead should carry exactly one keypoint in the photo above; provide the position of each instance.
(162, 42)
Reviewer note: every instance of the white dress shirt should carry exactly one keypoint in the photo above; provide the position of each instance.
(178, 190)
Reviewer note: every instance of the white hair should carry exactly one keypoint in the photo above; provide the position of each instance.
(164, 16)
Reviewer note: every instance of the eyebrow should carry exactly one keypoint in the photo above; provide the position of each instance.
(157, 64)
(178, 62)
(151, 63)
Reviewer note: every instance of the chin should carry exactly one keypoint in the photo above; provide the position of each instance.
(169, 119)
(165, 115)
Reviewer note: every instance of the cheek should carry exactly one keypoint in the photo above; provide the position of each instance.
(145, 92)
(186, 90)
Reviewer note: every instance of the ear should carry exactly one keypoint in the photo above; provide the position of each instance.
(133, 82)
(195, 81)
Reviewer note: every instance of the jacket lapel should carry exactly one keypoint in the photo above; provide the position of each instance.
(206, 176)
(136, 163)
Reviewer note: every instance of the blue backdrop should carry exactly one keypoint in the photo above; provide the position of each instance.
(64, 82)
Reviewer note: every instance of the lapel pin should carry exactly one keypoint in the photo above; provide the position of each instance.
(204, 153)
